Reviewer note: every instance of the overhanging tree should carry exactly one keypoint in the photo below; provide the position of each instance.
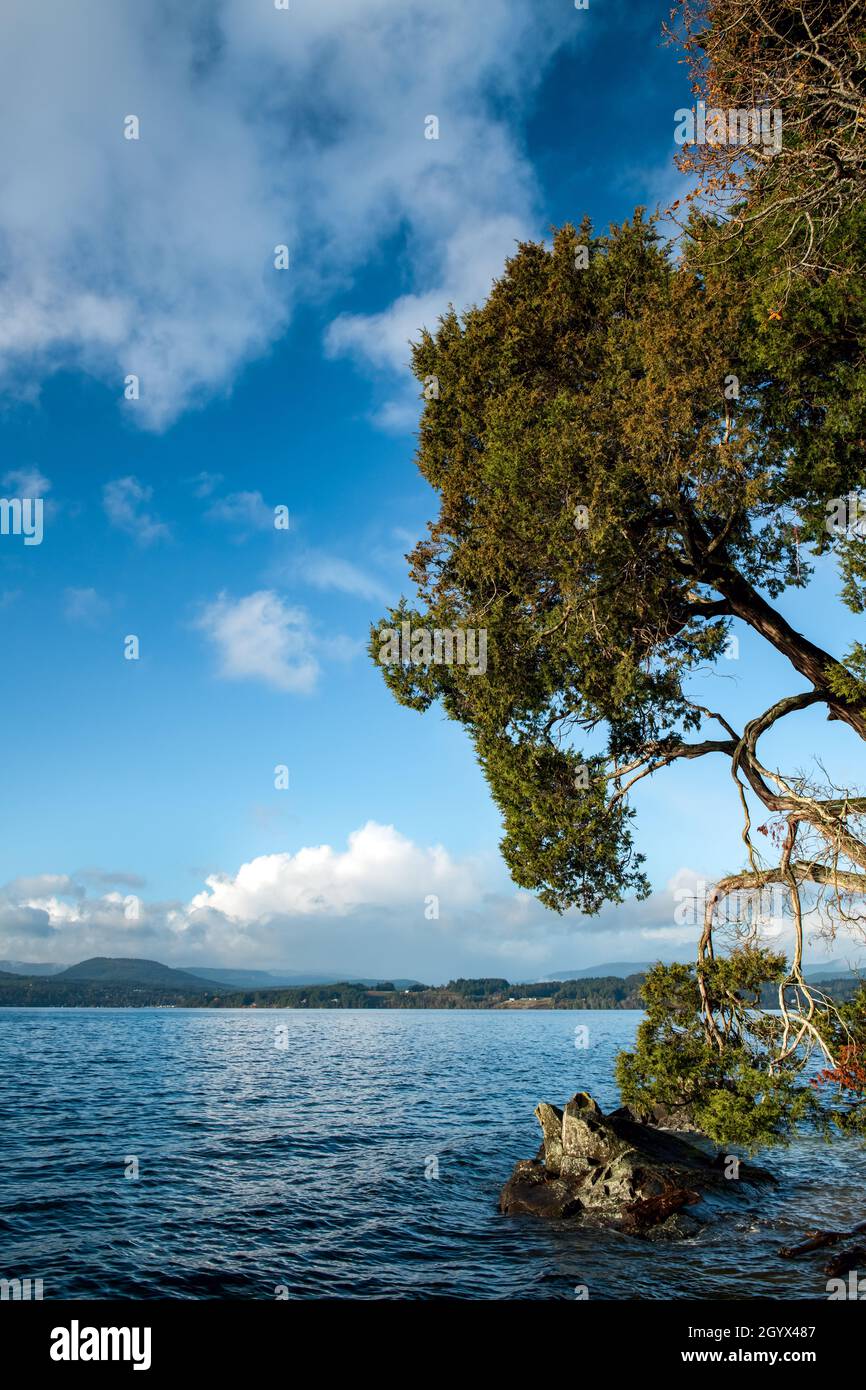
(631, 451)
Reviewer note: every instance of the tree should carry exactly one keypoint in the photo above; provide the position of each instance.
(616, 485)
(632, 450)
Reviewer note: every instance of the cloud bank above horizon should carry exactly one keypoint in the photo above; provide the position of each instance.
(380, 905)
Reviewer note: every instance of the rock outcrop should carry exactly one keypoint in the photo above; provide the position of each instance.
(616, 1170)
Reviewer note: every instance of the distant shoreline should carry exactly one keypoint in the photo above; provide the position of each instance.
(45, 994)
(123, 982)
(318, 1008)
(602, 992)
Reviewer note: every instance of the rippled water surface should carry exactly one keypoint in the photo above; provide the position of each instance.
(305, 1166)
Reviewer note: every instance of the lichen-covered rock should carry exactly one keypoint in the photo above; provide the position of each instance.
(618, 1171)
(586, 1134)
(550, 1119)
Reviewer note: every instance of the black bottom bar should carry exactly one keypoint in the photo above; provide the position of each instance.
(196, 1338)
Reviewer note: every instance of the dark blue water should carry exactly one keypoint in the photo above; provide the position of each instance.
(306, 1167)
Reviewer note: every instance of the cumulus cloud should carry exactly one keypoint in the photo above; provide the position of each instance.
(24, 927)
(259, 637)
(257, 127)
(375, 869)
(364, 902)
(40, 886)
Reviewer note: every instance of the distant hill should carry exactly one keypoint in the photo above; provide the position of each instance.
(98, 968)
(835, 970)
(121, 970)
(827, 970)
(23, 967)
(836, 987)
(124, 970)
(278, 979)
(252, 979)
(619, 968)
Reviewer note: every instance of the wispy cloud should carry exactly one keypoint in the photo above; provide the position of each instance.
(104, 877)
(124, 501)
(464, 263)
(112, 263)
(204, 483)
(321, 569)
(84, 606)
(26, 482)
(244, 512)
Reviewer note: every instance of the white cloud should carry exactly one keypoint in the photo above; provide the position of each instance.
(83, 606)
(257, 127)
(259, 637)
(123, 500)
(379, 868)
(469, 259)
(360, 908)
(325, 571)
(399, 415)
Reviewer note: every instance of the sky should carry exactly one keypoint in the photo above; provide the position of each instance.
(223, 222)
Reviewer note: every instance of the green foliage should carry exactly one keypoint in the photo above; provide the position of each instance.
(801, 358)
(850, 681)
(732, 1093)
(603, 388)
(561, 839)
(477, 989)
(599, 992)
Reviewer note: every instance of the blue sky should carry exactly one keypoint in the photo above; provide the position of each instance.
(140, 815)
